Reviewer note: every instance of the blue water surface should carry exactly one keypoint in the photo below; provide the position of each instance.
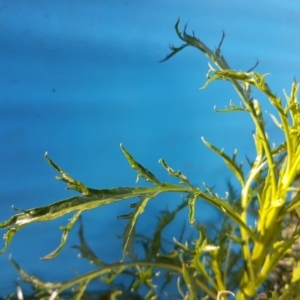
(80, 77)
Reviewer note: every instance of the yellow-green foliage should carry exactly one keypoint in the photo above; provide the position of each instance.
(208, 268)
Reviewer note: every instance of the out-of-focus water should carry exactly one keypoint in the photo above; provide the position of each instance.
(80, 77)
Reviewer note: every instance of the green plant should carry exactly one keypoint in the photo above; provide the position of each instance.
(237, 258)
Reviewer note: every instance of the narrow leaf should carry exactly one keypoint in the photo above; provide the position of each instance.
(8, 236)
(276, 122)
(127, 216)
(85, 250)
(63, 207)
(232, 165)
(227, 209)
(166, 218)
(183, 179)
(142, 172)
(129, 227)
(64, 236)
(72, 184)
(192, 202)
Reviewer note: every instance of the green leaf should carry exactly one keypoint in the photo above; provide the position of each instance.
(142, 172)
(64, 237)
(192, 203)
(139, 209)
(73, 204)
(232, 108)
(85, 250)
(182, 178)
(34, 280)
(228, 210)
(72, 184)
(8, 236)
(175, 50)
(231, 163)
(165, 219)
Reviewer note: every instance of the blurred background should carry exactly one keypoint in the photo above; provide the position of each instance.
(80, 77)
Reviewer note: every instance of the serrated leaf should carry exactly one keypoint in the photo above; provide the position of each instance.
(63, 207)
(227, 209)
(64, 236)
(139, 209)
(142, 171)
(72, 184)
(166, 218)
(85, 250)
(208, 189)
(232, 108)
(183, 179)
(228, 161)
(34, 280)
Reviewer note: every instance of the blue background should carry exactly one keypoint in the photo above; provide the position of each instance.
(80, 77)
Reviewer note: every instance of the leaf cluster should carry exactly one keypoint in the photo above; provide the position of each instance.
(237, 257)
